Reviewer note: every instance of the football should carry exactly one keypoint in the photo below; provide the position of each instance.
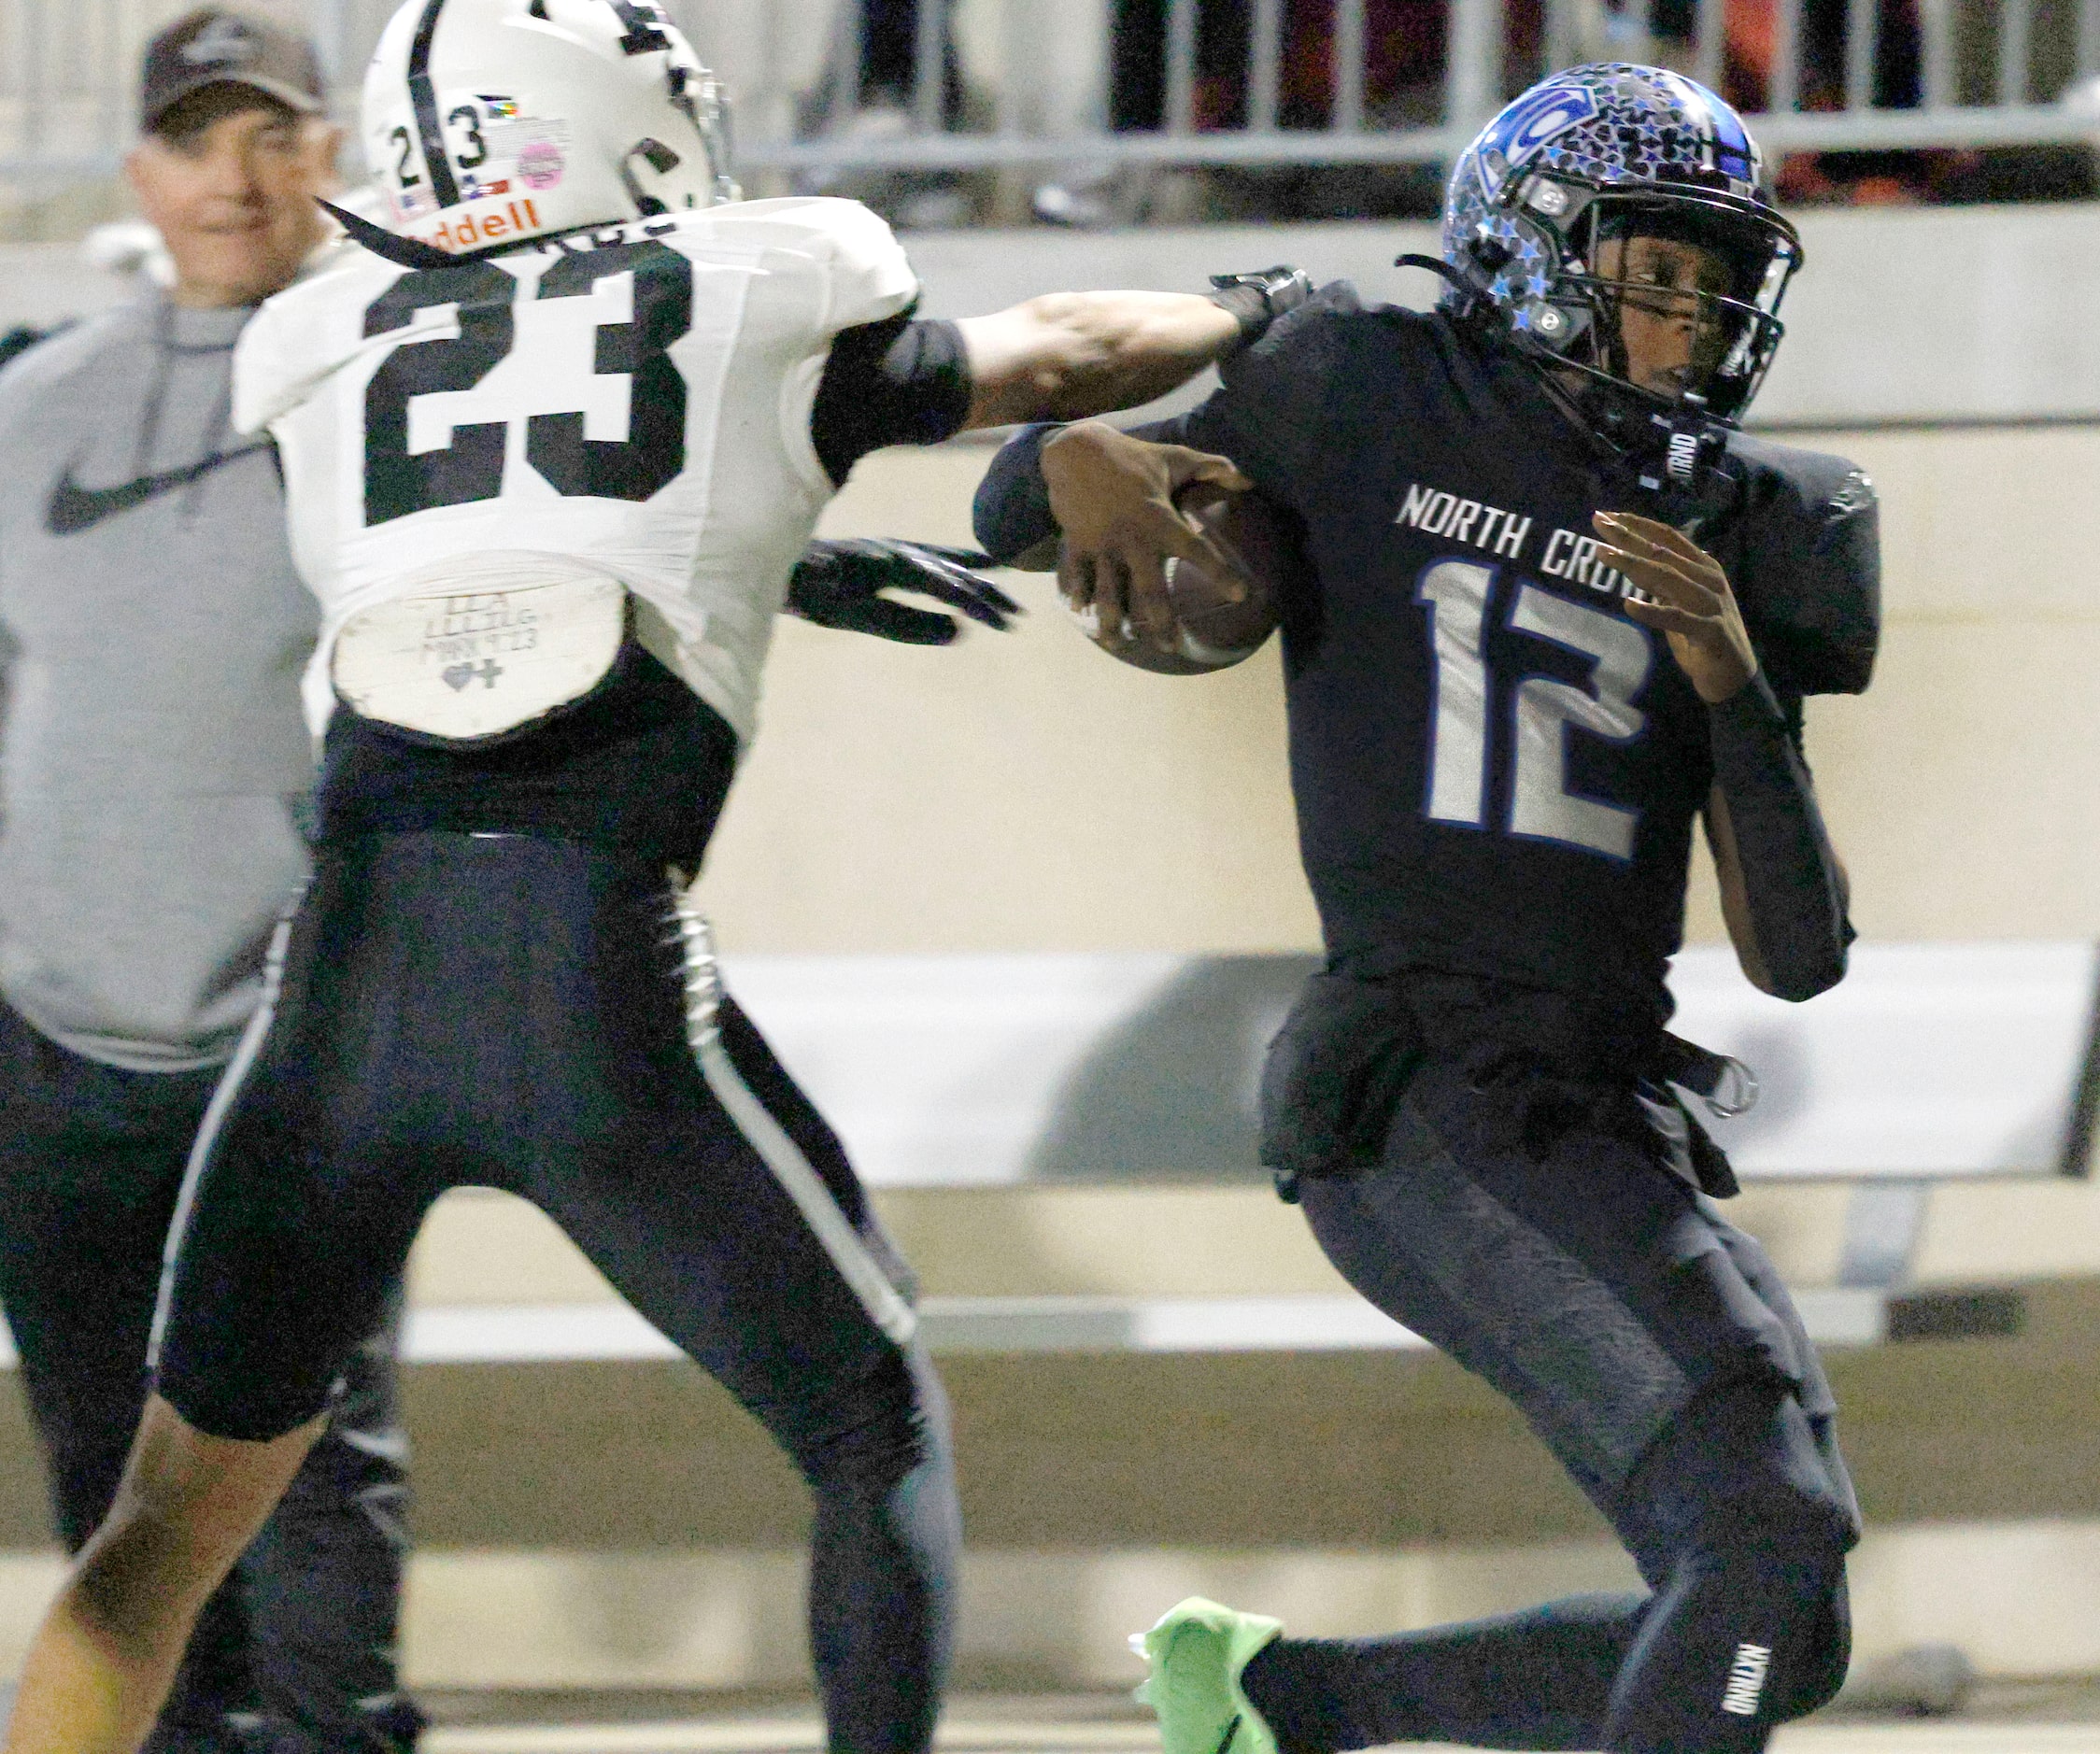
(1219, 626)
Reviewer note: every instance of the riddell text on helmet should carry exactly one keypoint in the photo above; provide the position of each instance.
(470, 231)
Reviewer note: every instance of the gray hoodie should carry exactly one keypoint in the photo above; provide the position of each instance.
(153, 629)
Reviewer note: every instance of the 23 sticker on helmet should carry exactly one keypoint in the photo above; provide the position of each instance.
(492, 122)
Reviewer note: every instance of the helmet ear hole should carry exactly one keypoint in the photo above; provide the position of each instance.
(660, 159)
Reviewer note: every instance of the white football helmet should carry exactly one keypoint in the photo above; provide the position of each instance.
(488, 121)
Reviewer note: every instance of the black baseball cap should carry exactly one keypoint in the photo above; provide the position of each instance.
(218, 46)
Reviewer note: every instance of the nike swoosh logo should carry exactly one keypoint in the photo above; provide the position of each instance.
(75, 508)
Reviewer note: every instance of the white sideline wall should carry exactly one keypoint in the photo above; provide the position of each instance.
(1901, 313)
(1020, 792)
(714, 1619)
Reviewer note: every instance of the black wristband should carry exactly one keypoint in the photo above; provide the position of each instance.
(1256, 300)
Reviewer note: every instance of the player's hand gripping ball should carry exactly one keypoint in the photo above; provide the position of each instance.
(1220, 617)
(1127, 511)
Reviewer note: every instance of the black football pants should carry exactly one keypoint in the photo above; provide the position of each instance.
(517, 1011)
(1519, 1214)
(295, 1653)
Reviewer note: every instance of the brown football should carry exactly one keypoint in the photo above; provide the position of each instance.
(1222, 624)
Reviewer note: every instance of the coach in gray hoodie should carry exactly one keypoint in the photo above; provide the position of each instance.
(153, 629)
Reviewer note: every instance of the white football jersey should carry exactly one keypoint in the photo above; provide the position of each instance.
(631, 403)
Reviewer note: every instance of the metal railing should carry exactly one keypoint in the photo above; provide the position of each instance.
(1231, 82)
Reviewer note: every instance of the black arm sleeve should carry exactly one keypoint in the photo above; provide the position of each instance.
(897, 382)
(1011, 513)
(1796, 889)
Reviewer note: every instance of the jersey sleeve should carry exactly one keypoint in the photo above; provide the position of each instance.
(1809, 575)
(260, 386)
(279, 359)
(867, 276)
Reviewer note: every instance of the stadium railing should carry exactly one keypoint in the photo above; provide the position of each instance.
(1820, 75)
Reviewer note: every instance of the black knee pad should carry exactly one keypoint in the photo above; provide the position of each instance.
(1818, 1667)
(1747, 1487)
(1741, 1456)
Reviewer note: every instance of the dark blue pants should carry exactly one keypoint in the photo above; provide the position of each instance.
(295, 1653)
(1474, 1158)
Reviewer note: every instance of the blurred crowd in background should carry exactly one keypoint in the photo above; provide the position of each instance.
(1403, 87)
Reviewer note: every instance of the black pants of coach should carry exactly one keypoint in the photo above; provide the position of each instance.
(295, 1653)
(1477, 1159)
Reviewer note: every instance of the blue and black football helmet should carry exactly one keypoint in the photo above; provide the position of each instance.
(1618, 150)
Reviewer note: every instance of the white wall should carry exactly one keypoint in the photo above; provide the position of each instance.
(1901, 313)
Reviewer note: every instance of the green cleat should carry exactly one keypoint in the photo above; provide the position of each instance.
(1196, 1653)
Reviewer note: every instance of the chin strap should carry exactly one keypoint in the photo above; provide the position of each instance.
(1471, 305)
(410, 252)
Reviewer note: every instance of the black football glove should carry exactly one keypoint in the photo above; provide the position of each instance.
(841, 585)
(1256, 300)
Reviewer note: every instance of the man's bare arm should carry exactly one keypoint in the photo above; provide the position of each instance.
(1072, 355)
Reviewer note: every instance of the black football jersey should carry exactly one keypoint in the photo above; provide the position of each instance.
(1496, 770)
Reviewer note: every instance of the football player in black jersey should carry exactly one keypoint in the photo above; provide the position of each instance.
(545, 620)
(1555, 607)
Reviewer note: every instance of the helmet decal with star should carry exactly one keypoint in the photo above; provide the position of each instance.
(1626, 147)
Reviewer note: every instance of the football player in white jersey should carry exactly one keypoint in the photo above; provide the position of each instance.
(552, 442)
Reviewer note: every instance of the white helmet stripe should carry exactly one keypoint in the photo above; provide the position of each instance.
(423, 97)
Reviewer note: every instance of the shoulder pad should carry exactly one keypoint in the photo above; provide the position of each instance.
(1276, 407)
(1297, 335)
(302, 334)
(1807, 566)
(868, 277)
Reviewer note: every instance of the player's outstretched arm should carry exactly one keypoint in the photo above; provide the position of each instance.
(1070, 355)
(1782, 887)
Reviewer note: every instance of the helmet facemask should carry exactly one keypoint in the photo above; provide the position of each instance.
(1633, 265)
(1643, 264)
(703, 100)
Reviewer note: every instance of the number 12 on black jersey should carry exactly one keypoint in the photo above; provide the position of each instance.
(1542, 709)
(398, 483)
